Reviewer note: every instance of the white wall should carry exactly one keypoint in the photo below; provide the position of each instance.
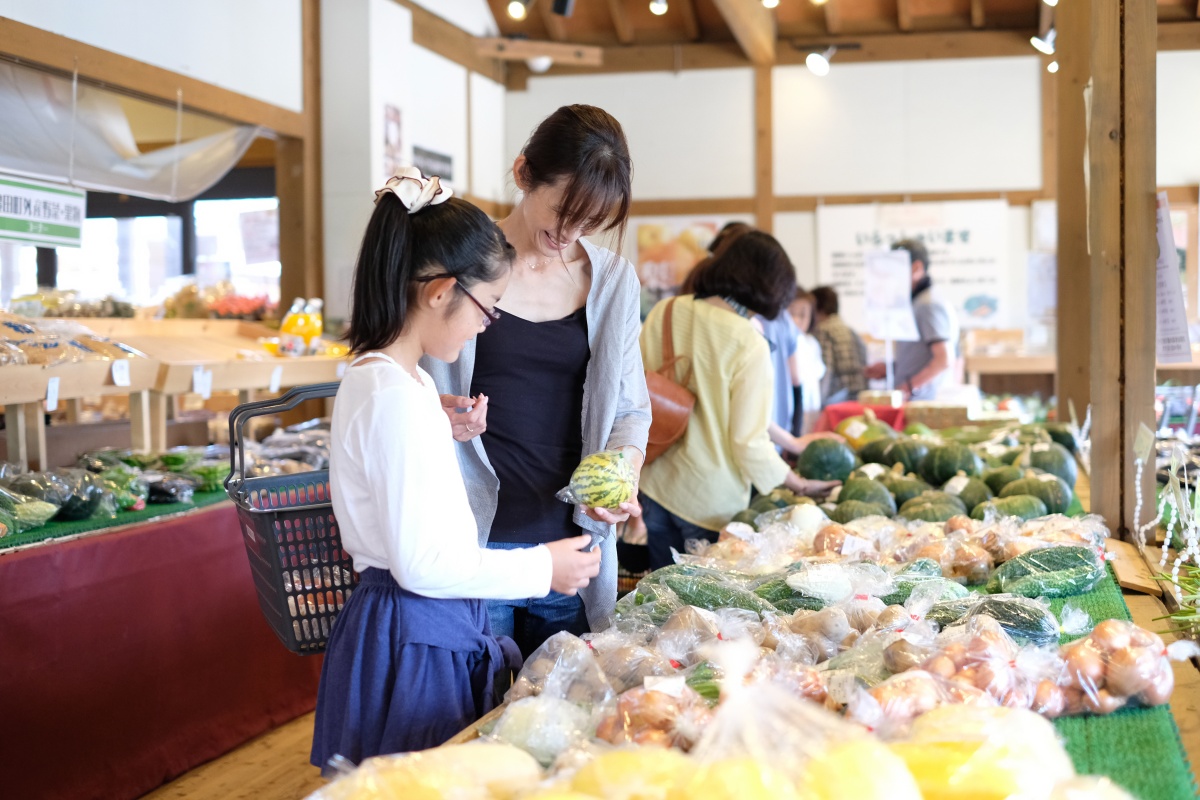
(436, 118)
(489, 162)
(797, 232)
(1178, 118)
(918, 126)
(248, 46)
(690, 135)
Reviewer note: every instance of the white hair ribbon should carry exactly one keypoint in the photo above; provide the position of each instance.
(414, 190)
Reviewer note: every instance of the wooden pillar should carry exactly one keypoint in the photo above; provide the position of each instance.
(1108, 291)
(298, 181)
(764, 151)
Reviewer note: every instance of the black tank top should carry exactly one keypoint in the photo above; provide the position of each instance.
(533, 375)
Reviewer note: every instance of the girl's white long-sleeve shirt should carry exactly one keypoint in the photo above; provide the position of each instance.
(399, 496)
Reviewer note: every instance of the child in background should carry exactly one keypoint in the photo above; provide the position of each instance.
(808, 365)
(411, 660)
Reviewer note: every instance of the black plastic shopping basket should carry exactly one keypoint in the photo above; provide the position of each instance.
(302, 574)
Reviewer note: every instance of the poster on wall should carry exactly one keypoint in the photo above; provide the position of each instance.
(393, 150)
(888, 296)
(667, 249)
(431, 163)
(967, 242)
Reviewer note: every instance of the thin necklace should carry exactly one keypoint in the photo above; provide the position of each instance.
(535, 264)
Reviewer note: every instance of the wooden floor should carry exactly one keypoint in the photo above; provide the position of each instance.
(272, 767)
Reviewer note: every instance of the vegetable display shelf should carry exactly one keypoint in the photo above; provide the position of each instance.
(24, 387)
(978, 364)
(179, 350)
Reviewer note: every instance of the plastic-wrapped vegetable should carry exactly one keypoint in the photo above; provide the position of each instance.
(543, 726)
(1051, 572)
(7, 524)
(169, 487)
(43, 486)
(959, 558)
(684, 632)
(632, 773)
(102, 460)
(77, 493)
(26, 513)
(892, 706)
(629, 666)
(923, 571)
(210, 475)
(713, 593)
(666, 712)
(566, 665)
(127, 486)
(653, 603)
(181, 459)
(1030, 621)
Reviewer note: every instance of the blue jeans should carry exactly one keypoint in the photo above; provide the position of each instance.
(533, 620)
(665, 531)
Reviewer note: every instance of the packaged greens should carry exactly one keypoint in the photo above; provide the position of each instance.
(1049, 572)
(169, 487)
(127, 486)
(88, 496)
(210, 475)
(26, 513)
(101, 460)
(181, 459)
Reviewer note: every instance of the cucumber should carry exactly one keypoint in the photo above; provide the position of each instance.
(1024, 619)
(1050, 572)
(713, 594)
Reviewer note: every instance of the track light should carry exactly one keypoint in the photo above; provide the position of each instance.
(818, 63)
(1052, 67)
(1045, 45)
(658, 7)
(1051, 3)
(565, 8)
(770, 3)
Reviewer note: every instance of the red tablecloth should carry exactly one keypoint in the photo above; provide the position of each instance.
(130, 657)
(833, 414)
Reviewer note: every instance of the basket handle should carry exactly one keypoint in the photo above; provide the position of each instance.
(247, 411)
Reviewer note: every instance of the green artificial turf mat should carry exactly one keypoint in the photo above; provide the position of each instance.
(57, 530)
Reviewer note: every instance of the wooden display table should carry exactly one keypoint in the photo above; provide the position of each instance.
(178, 350)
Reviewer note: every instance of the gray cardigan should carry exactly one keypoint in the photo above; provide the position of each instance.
(616, 408)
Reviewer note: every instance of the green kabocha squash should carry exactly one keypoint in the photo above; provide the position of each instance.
(1050, 489)
(1055, 459)
(908, 452)
(853, 509)
(872, 452)
(945, 461)
(917, 429)
(931, 507)
(969, 434)
(748, 516)
(907, 487)
(865, 428)
(1018, 505)
(826, 460)
(867, 491)
(998, 478)
(971, 491)
(1063, 434)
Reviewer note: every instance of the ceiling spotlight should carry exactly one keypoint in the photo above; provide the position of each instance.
(1051, 3)
(518, 8)
(565, 8)
(1045, 45)
(539, 64)
(818, 63)
(658, 7)
(1052, 67)
(819, 2)
(771, 3)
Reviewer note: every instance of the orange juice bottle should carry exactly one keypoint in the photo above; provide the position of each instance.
(293, 330)
(316, 322)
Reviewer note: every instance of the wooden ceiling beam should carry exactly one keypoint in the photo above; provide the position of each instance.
(555, 26)
(904, 14)
(753, 26)
(1045, 19)
(978, 14)
(691, 26)
(620, 21)
(524, 49)
(1179, 36)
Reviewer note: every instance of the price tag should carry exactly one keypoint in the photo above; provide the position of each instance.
(855, 429)
(341, 369)
(276, 379)
(672, 685)
(202, 381)
(52, 393)
(120, 372)
(1143, 443)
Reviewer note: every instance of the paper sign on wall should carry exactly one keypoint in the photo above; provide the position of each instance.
(888, 296)
(40, 213)
(1173, 344)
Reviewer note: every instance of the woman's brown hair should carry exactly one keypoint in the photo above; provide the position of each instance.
(586, 146)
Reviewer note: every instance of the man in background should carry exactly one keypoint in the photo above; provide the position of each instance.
(842, 350)
(921, 366)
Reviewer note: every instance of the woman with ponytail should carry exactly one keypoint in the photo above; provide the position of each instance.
(411, 659)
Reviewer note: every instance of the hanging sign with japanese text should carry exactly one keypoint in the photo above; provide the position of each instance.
(967, 242)
(39, 213)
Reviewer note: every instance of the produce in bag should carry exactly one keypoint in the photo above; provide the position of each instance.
(7, 524)
(684, 632)
(664, 713)
(960, 559)
(475, 771)
(1119, 664)
(566, 666)
(78, 494)
(604, 479)
(980, 753)
(127, 487)
(101, 460)
(209, 474)
(653, 603)
(799, 680)
(838, 539)
(1030, 621)
(711, 593)
(547, 725)
(1024, 506)
(792, 647)
(629, 666)
(25, 513)
(168, 487)
(921, 572)
(632, 774)
(1050, 572)
(181, 459)
(890, 708)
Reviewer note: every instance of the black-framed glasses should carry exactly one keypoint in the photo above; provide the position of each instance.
(490, 315)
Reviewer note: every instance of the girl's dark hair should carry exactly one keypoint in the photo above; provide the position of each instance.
(809, 298)
(453, 238)
(585, 145)
(754, 270)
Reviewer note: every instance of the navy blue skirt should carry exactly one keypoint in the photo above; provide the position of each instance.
(404, 672)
